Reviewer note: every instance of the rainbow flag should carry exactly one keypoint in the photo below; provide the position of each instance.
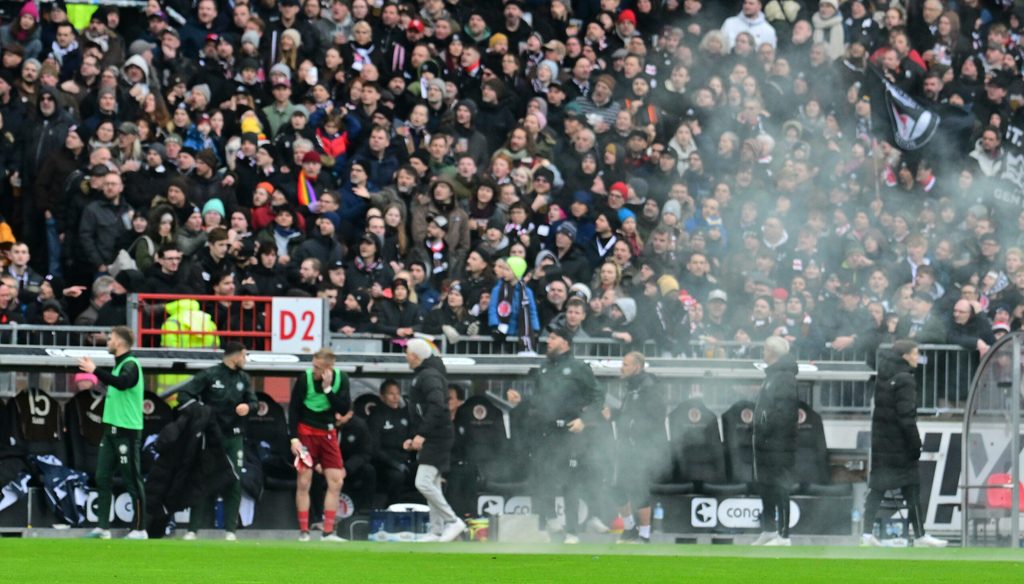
(307, 195)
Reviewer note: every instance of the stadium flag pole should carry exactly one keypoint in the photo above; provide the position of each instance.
(874, 162)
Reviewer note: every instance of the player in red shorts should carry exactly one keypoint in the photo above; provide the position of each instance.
(319, 397)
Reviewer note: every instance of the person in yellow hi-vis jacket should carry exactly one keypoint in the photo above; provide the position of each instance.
(184, 316)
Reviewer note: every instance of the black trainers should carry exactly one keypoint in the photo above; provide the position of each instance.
(629, 536)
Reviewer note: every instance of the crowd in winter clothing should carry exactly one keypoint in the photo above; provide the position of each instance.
(673, 172)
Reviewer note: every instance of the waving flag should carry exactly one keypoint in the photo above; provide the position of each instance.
(912, 125)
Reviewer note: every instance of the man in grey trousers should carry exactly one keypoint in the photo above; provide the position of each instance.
(433, 437)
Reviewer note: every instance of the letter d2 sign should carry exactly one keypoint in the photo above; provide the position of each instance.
(297, 325)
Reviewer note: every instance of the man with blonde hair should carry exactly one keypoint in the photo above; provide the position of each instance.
(320, 398)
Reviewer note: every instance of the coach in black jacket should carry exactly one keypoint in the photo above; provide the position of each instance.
(433, 437)
(775, 431)
(895, 441)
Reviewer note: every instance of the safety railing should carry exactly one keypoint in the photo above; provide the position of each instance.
(42, 335)
(202, 321)
(943, 376)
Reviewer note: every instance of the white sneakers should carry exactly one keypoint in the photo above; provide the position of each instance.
(332, 537)
(765, 537)
(137, 534)
(869, 540)
(190, 536)
(452, 530)
(553, 525)
(595, 525)
(571, 539)
(930, 541)
(98, 533)
(772, 539)
(230, 536)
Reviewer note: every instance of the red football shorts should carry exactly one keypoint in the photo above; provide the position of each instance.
(322, 446)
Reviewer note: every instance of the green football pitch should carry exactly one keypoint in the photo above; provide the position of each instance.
(277, 562)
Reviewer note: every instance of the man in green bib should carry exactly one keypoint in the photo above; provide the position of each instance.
(122, 431)
(227, 390)
(320, 397)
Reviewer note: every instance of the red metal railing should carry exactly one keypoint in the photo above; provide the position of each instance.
(203, 321)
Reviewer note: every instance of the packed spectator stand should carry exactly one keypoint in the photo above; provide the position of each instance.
(684, 178)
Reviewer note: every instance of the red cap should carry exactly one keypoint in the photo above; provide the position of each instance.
(629, 15)
(416, 25)
(780, 294)
(311, 156)
(212, 37)
(621, 188)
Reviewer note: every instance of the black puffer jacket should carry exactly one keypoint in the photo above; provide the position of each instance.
(895, 441)
(775, 424)
(429, 406)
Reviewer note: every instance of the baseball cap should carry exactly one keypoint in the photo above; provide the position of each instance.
(718, 295)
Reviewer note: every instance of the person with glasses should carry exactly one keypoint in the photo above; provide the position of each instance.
(166, 275)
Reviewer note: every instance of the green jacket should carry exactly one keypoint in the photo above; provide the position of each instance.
(222, 389)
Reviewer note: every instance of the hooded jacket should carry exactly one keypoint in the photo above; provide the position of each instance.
(46, 134)
(895, 441)
(757, 26)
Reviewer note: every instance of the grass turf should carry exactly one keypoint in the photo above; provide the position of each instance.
(278, 562)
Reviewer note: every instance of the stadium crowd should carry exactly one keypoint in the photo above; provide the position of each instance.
(641, 170)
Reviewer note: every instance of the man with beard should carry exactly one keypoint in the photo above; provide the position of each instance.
(120, 447)
(227, 390)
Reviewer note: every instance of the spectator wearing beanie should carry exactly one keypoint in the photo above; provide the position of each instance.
(599, 109)
(397, 316)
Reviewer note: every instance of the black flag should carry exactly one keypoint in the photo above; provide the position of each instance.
(912, 125)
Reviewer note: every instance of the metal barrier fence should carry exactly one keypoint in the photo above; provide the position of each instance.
(943, 376)
(40, 335)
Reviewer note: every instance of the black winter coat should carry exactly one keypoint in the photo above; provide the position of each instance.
(895, 441)
(640, 422)
(775, 424)
(392, 316)
(443, 315)
(191, 467)
(428, 402)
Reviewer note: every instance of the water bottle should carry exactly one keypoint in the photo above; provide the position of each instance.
(855, 521)
(658, 524)
(218, 513)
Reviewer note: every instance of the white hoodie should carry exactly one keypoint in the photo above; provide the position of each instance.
(757, 26)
